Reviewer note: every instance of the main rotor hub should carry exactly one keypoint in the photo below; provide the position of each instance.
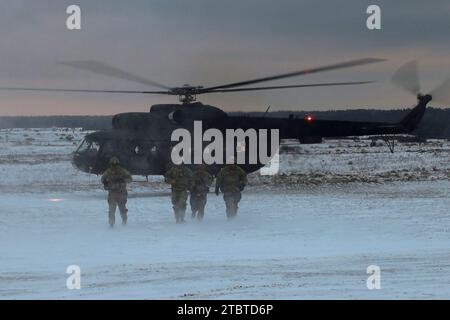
(187, 93)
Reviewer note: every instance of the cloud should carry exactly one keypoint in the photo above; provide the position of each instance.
(206, 42)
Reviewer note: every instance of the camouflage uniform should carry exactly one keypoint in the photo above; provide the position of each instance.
(180, 178)
(231, 180)
(115, 180)
(201, 182)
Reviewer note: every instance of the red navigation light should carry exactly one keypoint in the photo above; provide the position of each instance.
(309, 118)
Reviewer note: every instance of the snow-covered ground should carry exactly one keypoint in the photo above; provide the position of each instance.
(310, 232)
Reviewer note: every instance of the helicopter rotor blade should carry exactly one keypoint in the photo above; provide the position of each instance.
(82, 90)
(291, 86)
(189, 91)
(110, 71)
(442, 92)
(407, 78)
(336, 66)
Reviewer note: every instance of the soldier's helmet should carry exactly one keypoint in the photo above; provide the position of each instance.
(114, 161)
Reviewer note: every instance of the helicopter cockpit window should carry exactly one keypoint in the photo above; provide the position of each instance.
(83, 146)
(88, 145)
(95, 146)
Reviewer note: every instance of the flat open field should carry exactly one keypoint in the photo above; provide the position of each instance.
(310, 232)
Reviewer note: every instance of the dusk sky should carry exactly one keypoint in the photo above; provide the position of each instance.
(209, 42)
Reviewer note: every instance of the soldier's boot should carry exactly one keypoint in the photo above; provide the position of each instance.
(232, 211)
(124, 214)
(175, 212)
(124, 219)
(111, 212)
(201, 208)
(179, 217)
(229, 213)
(231, 216)
(182, 214)
(235, 209)
(229, 209)
(201, 213)
(112, 219)
(193, 208)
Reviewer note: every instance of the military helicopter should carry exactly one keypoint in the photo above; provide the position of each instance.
(142, 141)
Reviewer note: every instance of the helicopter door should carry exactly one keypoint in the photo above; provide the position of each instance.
(147, 156)
(139, 153)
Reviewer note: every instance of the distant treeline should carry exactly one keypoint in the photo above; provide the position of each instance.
(436, 122)
(85, 122)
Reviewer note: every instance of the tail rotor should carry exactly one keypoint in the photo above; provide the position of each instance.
(407, 78)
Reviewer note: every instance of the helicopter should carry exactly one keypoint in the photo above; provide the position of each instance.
(142, 141)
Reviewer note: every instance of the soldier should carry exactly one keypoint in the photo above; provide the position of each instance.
(181, 179)
(231, 180)
(202, 180)
(115, 180)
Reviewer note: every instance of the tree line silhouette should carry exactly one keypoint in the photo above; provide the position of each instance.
(435, 124)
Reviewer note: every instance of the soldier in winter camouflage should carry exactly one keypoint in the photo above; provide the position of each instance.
(231, 180)
(115, 180)
(199, 191)
(181, 180)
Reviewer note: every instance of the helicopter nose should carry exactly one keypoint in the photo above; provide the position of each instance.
(83, 162)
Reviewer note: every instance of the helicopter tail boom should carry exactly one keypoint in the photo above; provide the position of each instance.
(413, 118)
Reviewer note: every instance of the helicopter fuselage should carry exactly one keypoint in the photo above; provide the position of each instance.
(143, 141)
